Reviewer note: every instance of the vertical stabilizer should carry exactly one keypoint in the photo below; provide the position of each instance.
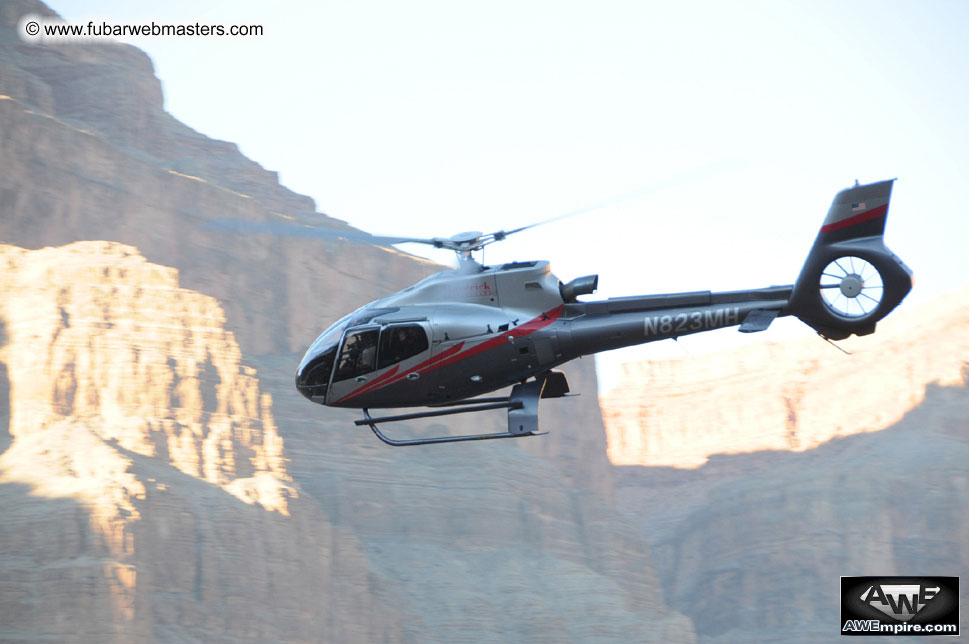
(850, 279)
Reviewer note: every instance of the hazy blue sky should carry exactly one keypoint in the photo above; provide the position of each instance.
(430, 118)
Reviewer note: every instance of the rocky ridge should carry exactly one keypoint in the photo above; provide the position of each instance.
(160, 478)
(751, 546)
(832, 465)
(797, 395)
(96, 337)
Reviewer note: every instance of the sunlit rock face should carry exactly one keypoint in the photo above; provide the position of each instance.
(98, 337)
(118, 384)
(791, 396)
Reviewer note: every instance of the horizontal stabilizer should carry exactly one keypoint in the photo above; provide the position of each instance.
(758, 320)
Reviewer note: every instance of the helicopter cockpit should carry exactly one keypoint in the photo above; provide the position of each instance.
(365, 348)
(313, 374)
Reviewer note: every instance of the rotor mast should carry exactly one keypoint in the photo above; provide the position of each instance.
(463, 244)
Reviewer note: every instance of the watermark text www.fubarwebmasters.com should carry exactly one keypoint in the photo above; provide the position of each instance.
(37, 29)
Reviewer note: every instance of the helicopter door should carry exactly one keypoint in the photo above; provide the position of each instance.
(401, 344)
(384, 358)
(355, 363)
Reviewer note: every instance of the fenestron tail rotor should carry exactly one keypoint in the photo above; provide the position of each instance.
(851, 287)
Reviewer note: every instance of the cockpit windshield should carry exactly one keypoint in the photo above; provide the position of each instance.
(313, 375)
(331, 336)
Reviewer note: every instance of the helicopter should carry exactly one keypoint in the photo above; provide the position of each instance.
(457, 335)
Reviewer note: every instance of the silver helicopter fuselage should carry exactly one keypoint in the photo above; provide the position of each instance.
(488, 328)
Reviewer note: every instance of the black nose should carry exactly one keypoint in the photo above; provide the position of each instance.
(300, 387)
(313, 377)
(316, 392)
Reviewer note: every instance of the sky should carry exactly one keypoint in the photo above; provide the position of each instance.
(713, 135)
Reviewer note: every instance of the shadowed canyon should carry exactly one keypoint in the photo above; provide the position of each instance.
(162, 480)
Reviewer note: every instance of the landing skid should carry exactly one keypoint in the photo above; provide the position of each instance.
(372, 422)
(522, 406)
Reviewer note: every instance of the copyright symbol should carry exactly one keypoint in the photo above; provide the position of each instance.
(32, 28)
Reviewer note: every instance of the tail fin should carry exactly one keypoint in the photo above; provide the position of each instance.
(851, 280)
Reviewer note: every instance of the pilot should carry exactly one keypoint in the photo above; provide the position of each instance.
(368, 352)
(358, 355)
(402, 344)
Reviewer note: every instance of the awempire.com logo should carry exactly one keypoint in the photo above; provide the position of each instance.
(899, 605)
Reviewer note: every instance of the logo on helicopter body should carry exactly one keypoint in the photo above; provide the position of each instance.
(474, 289)
(689, 322)
(480, 289)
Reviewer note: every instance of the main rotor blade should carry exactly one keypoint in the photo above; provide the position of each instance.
(461, 245)
(679, 179)
(291, 230)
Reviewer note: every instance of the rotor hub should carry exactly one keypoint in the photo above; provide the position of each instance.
(467, 238)
(851, 285)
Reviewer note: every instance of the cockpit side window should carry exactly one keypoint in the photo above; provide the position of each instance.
(400, 342)
(359, 354)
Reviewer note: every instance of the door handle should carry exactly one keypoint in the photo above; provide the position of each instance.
(361, 379)
(413, 375)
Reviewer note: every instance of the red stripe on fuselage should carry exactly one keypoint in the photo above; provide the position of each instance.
(378, 382)
(856, 219)
(454, 354)
(526, 329)
(384, 380)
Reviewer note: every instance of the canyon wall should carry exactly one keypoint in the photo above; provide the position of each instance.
(751, 546)
(790, 465)
(97, 337)
(160, 477)
(793, 395)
